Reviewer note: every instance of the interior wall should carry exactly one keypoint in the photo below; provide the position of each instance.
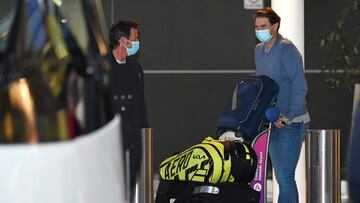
(193, 52)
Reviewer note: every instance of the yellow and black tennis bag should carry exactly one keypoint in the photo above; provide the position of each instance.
(212, 161)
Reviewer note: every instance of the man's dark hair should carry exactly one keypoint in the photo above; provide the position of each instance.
(269, 13)
(121, 29)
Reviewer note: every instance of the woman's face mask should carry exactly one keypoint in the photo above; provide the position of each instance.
(263, 35)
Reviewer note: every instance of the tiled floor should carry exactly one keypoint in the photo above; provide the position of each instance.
(344, 191)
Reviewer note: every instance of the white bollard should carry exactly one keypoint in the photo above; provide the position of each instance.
(292, 27)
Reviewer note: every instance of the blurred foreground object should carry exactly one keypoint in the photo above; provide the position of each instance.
(59, 139)
(51, 88)
(354, 153)
(85, 170)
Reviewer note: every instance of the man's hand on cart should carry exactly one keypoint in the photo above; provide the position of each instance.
(273, 115)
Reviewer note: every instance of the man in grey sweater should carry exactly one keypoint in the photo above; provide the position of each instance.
(279, 59)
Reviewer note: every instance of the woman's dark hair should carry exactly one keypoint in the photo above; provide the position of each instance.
(121, 29)
(269, 13)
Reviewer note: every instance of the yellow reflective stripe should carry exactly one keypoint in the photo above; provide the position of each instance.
(193, 162)
(231, 179)
(246, 148)
(226, 164)
(201, 172)
(247, 157)
(165, 168)
(217, 163)
(227, 170)
(198, 178)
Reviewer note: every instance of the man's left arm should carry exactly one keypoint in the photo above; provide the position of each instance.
(144, 120)
(293, 64)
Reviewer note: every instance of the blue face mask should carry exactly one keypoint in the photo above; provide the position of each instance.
(134, 48)
(263, 35)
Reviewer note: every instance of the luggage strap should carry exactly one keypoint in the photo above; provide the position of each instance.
(234, 98)
(206, 189)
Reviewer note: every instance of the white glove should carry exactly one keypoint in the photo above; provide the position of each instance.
(228, 135)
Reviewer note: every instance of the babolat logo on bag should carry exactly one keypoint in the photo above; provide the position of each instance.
(206, 162)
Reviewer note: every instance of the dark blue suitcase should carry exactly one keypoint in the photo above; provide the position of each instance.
(244, 113)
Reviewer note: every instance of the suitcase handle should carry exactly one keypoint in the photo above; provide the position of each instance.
(206, 189)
